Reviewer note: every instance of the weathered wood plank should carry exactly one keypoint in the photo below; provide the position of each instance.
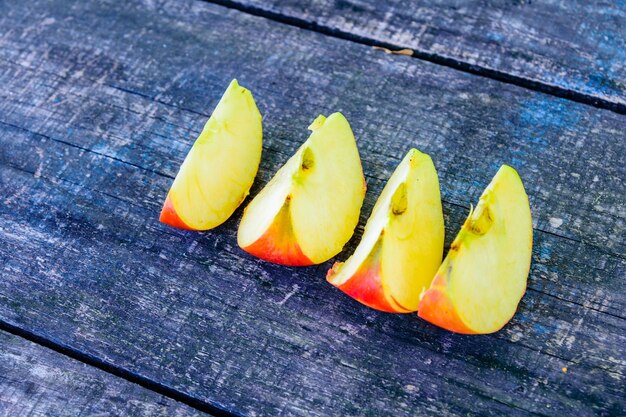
(574, 45)
(202, 321)
(95, 120)
(540, 136)
(35, 381)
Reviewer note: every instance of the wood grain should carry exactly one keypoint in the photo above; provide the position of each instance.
(103, 99)
(572, 45)
(38, 382)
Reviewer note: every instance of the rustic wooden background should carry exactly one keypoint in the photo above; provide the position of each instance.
(105, 311)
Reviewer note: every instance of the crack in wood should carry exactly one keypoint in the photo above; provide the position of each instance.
(460, 65)
(214, 409)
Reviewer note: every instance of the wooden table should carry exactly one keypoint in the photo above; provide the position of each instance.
(105, 311)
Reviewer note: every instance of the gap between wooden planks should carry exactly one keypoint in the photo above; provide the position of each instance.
(577, 53)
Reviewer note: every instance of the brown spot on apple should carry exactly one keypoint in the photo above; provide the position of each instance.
(308, 159)
(482, 220)
(399, 201)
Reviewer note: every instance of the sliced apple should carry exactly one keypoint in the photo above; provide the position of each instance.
(219, 170)
(483, 278)
(308, 211)
(402, 243)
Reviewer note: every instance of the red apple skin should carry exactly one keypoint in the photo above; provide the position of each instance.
(278, 244)
(437, 308)
(170, 217)
(365, 285)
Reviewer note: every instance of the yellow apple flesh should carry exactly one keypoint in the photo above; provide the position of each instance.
(308, 211)
(219, 170)
(483, 278)
(402, 243)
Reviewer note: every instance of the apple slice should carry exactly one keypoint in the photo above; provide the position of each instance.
(402, 243)
(308, 211)
(483, 278)
(219, 170)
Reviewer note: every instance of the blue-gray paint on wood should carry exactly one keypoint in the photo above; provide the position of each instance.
(102, 100)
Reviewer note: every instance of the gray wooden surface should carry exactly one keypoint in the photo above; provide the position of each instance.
(575, 48)
(37, 382)
(102, 100)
